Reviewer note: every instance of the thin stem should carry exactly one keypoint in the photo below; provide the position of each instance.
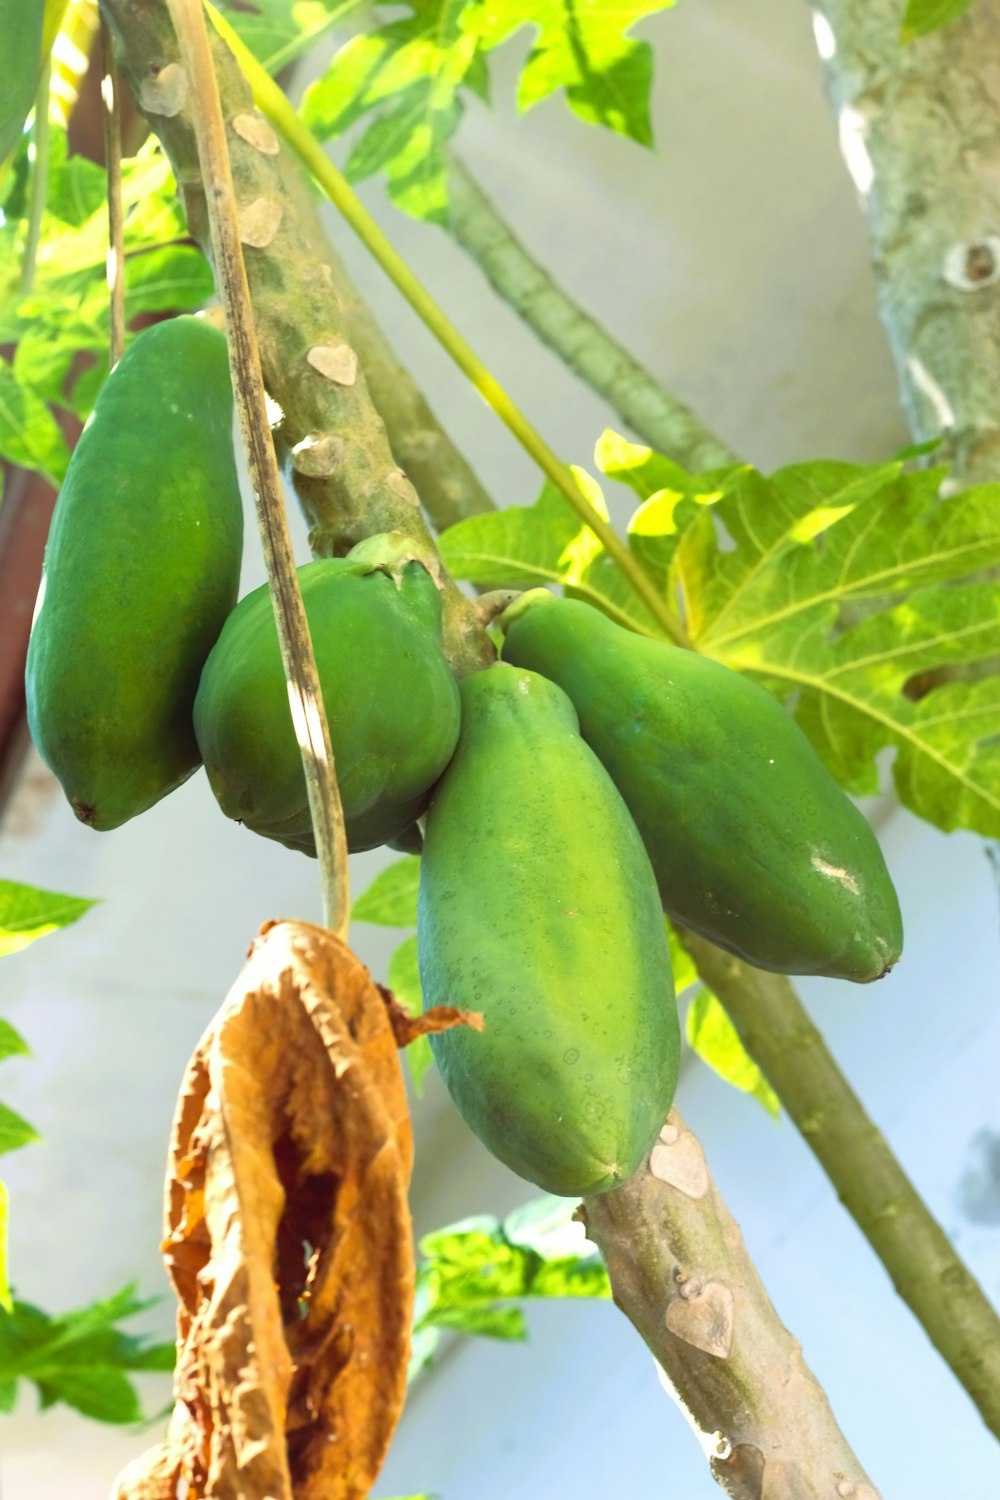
(39, 181)
(305, 697)
(530, 288)
(116, 218)
(925, 1269)
(273, 103)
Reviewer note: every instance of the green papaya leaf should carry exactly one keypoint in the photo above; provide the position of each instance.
(29, 435)
(583, 48)
(391, 899)
(924, 16)
(15, 1132)
(27, 913)
(546, 543)
(6, 1304)
(844, 589)
(11, 1043)
(403, 979)
(714, 1039)
(408, 76)
(80, 1358)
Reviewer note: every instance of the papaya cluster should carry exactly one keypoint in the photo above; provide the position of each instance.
(567, 796)
(141, 664)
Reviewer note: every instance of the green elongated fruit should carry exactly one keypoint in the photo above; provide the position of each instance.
(754, 844)
(21, 23)
(538, 908)
(141, 569)
(391, 702)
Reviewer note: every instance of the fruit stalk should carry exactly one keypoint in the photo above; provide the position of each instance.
(681, 1273)
(925, 1269)
(306, 701)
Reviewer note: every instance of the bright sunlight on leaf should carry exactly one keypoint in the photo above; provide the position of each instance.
(841, 587)
(27, 913)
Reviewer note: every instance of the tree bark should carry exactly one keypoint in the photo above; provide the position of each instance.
(919, 127)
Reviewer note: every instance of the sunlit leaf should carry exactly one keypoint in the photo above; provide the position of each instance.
(408, 77)
(27, 913)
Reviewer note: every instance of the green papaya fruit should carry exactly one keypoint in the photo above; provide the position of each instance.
(754, 844)
(141, 569)
(391, 702)
(21, 23)
(539, 909)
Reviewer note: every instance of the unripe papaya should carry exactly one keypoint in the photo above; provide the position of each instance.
(21, 24)
(754, 844)
(538, 908)
(391, 703)
(141, 569)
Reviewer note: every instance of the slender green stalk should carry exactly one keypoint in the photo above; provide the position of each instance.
(924, 1266)
(39, 181)
(276, 107)
(297, 656)
(656, 416)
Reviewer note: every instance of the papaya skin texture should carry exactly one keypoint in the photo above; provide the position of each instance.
(21, 24)
(391, 702)
(141, 569)
(754, 844)
(538, 908)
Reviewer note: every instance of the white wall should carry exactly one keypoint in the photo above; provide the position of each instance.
(734, 262)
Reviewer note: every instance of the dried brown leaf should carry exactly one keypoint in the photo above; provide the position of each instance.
(288, 1237)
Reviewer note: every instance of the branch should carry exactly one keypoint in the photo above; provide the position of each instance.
(925, 1269)
(681, 1273)
(657, 417)
(919, 127)
(341, 463)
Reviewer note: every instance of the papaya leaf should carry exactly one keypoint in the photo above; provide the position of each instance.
(924, 16)
(403, 979)
(80, 1358)
(6, 1304)
(27, 913)
(15, 1132)
(714, 1039)
(469, 1270)
(411, 74)
(844, 589)
(391, 899)
(583, 47)
(11, 1043)
(277, 30)
(546, 543)
(29, 435)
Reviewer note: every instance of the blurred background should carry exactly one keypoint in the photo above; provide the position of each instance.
(732, 261)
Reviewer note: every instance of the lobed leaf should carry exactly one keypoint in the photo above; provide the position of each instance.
(391, 899)
(80, 1358)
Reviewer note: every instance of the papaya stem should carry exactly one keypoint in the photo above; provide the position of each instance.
(654, 414)
(277, 108)
(116, 220)
(925, 1268)
(305, 697)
